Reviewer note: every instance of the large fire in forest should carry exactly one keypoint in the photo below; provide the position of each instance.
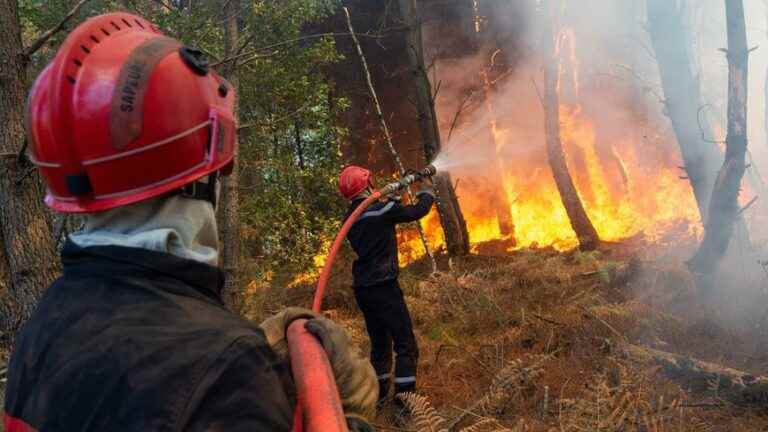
(623, 196)
(626, 168)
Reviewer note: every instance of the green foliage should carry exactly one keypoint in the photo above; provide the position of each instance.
(289, 152)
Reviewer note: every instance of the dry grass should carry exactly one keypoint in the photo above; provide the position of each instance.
(526, 342)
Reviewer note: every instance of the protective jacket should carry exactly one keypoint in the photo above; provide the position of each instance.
(374, 240)
(136, 340)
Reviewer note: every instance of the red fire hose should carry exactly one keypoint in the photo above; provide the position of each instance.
(319, 406)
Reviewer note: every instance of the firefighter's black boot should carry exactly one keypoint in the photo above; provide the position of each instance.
(384, 384)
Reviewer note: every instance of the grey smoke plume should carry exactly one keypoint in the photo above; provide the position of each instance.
(608, 70)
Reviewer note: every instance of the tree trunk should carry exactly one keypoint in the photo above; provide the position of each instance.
(683, 99)
(230, 205)
(29, 247)
(724, 205)
(299, 144)
(501, 202)
(484, 39)
(7, 322)
(586, 233)
(451, 217)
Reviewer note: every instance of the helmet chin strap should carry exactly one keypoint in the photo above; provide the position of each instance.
(202, 190)
(364, 194)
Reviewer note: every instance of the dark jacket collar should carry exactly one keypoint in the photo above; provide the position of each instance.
(205, 278)
(357, 201)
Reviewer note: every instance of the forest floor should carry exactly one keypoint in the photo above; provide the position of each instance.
(533, 340)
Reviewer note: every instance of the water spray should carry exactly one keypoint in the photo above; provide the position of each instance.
(319, 407)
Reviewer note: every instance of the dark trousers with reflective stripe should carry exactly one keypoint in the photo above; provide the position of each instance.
(389, 324)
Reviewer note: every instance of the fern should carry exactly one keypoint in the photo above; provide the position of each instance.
(488, 424)
(627, 407)
(509, 384)
(424, 416)
(426, 419)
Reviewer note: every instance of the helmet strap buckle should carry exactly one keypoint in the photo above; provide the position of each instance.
(205, 191)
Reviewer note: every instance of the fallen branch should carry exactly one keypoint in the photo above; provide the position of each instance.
(29, 51)
(735, 386)
(547, 320)
(385, 129)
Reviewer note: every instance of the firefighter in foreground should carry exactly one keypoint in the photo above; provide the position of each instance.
(375, 273)
(132, 129)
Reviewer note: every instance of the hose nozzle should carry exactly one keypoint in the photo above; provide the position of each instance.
(408, 179)
(428, 171)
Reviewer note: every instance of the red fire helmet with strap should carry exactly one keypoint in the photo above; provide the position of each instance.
(124, 113)
(353, 180)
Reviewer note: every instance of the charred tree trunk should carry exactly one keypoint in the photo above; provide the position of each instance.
(588, 238)
(484, 38)
(230, 204)
(26, 234)
(682, 98)
(724, 205)
(501, 202)
(451, 218)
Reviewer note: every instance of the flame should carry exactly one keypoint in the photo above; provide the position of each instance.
(630, 186)
(623, 201)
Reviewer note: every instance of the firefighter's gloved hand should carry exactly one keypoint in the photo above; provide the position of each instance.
(275, 328)
(354, 374)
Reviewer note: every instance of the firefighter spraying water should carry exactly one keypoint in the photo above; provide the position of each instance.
(376, 270)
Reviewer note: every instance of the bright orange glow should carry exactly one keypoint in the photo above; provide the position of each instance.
(622, 201)
(630, 185)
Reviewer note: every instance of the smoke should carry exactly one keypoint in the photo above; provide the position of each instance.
(708, 18)
(620, 146)
(739, 292)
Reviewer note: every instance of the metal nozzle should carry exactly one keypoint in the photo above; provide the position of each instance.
(428, 171)
(407, 180)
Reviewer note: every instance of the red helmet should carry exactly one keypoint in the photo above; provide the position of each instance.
(354, 180)
(123, 114)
